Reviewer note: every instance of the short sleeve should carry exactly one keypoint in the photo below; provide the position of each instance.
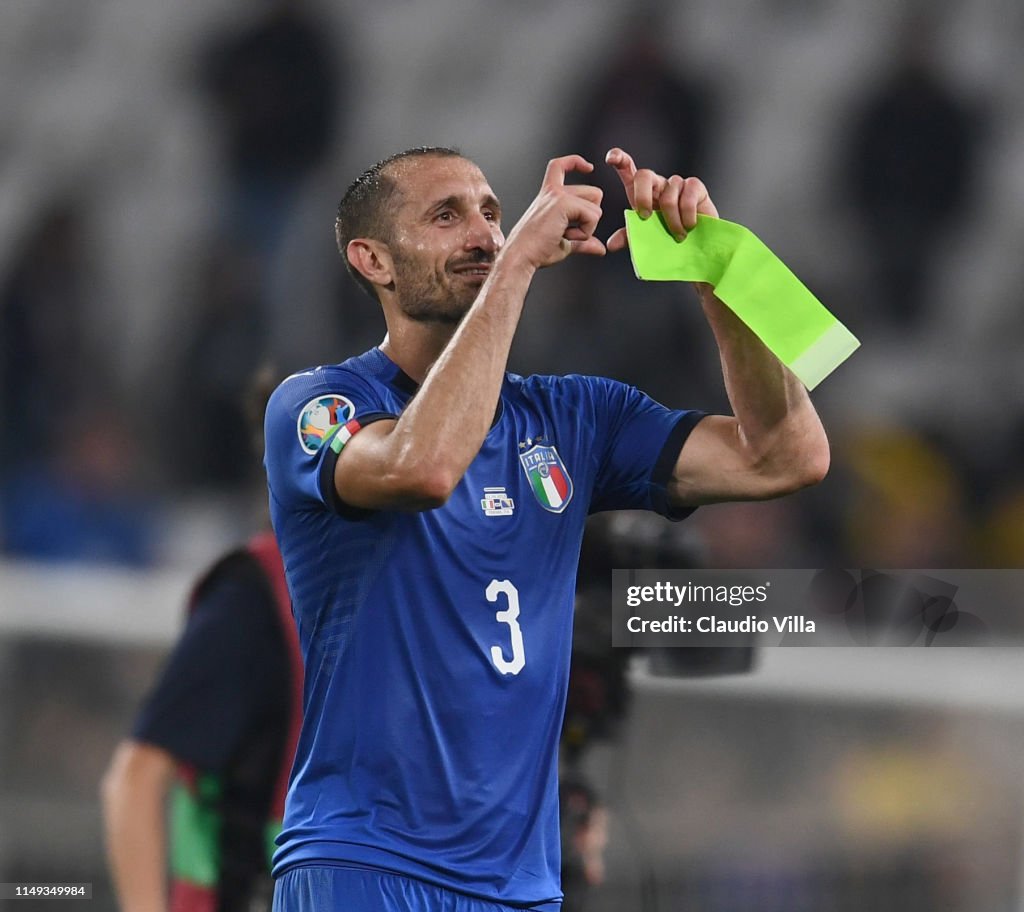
(309, 418)
(640, 440)
(227, 673)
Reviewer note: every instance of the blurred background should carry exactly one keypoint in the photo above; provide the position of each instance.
(170, 174)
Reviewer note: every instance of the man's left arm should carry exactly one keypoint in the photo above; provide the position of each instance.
(774, 442)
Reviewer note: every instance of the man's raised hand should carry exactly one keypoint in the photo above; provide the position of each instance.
(561, 219)
(678, 199)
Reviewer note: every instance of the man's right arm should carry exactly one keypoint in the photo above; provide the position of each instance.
(134, 794)
(416, 461)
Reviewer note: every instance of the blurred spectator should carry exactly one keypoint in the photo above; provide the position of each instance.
(225, 345)
(205, 769)
(215, 736)
(82, 500)
(1002, 534)
(69, 461)
(598, 695)
(644, 100)
(910, 169)
(584, 829)
(48, 367)
(905, 504)
(275, 85)
(596, 701)
(906, 789)
(763, 534)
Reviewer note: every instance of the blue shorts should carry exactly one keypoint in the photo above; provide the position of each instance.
(333, 888)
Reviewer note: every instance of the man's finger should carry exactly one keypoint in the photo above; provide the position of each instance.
(622, 162)
(583, 222)
(554, 174)
(670, 205)
(586, 192)
(618, 241)
(647, 187)
(591, 246)
(624, 166)
(696, 200)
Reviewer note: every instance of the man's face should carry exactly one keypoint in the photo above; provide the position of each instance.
(446, 232)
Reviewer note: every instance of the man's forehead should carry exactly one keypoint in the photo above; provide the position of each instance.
(429, 177)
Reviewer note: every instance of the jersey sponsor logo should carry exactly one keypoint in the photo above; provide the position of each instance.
(548, 477)
(319, 418)
(496, 502)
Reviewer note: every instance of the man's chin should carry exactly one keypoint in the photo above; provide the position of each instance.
(437, 316)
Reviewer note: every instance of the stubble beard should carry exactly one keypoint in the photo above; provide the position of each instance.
(425, 298)
(434, 309)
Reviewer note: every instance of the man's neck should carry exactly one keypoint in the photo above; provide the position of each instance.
(414, 347)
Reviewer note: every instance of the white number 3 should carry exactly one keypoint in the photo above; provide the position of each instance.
(509, 616)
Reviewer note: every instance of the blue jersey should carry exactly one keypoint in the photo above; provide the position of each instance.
(437, 643)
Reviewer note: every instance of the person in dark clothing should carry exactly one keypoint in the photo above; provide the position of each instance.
(275, 87)
(202, 777)
(911, 165)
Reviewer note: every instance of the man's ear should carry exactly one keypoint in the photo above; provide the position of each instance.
(371, 259)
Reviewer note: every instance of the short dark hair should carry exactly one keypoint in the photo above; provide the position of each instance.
(363, 210)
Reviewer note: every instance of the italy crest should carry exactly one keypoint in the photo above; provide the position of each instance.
(547, 476)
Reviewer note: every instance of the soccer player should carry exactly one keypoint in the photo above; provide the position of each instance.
(430, 507)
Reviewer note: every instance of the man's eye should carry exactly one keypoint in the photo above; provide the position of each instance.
(445, 216)
(490, 216)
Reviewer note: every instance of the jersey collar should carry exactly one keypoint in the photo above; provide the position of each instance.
(399, 380)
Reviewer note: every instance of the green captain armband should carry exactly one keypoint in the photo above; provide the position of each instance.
(752, 282)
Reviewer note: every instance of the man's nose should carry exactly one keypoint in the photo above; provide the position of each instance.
(483, 234)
